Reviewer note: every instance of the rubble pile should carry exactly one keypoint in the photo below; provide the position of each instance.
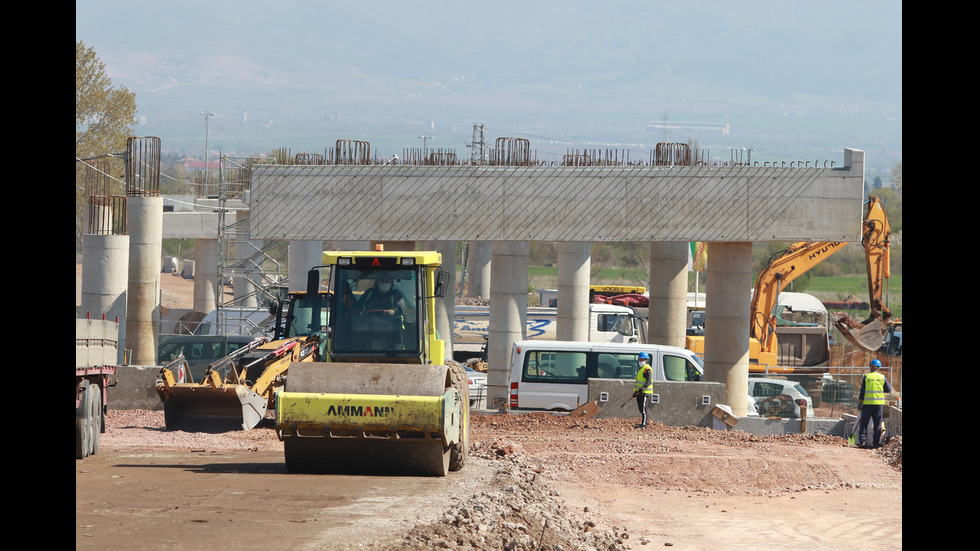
(891, 452)
(518, 512)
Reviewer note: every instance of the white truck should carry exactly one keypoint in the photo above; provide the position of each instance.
(607, 323)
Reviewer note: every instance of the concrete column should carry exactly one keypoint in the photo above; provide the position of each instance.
(446, 307)
(668, 293)
(478, 269)
(303, 255)
(574, 267)
(105, 279)
(144, 222)
(508, 315)
(726, 340)
(205, 274)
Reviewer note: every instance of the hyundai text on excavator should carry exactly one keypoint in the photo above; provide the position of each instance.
(382, 399)
(793, 262)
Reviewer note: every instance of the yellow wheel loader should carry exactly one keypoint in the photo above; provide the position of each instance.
(383, 400)
(235, 391)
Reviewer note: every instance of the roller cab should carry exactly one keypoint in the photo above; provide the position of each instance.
(384, 401)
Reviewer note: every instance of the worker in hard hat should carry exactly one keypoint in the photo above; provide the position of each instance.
(643, 388)
(871, 400)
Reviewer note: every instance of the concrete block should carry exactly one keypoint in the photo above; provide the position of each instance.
(676, 403)
(135, 388)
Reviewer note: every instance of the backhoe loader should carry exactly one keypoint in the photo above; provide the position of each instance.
(793, 262)
(235, 391)
(382, 400)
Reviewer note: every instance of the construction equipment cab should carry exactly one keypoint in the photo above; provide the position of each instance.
(383, 400)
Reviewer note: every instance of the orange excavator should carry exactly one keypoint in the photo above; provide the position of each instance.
(796, 260)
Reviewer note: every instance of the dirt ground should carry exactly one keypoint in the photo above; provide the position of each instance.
(534, 481)
(533, 478)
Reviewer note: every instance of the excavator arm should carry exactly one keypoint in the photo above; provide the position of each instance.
(786, 266)
(869, 334)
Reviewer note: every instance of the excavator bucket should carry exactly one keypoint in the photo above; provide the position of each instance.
(373, 418)
(868, 336)
(200, 406)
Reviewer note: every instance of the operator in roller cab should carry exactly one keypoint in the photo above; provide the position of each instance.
(377, 311)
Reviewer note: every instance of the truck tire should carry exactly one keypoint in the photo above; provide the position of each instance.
(83, 426)
(95, 419)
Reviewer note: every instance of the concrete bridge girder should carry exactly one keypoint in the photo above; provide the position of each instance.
(729, 207)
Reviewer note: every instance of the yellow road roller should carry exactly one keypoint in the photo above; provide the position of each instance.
(384, 400)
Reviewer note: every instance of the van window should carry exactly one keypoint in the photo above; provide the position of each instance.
(555, 367)
(577, 367)
(679, 368)
(616, 366)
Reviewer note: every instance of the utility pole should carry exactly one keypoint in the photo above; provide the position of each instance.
(207, 117)
(478, 145)
(424, 140)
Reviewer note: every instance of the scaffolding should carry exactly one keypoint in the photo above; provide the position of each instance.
(258, 281)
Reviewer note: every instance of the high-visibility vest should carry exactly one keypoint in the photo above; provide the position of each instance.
(874, 389)
(641, 381)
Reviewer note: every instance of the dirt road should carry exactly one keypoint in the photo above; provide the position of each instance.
(531, 479)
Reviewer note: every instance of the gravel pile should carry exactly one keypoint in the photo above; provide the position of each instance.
(518, 512)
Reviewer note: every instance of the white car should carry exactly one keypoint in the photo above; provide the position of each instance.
(779, 397)
(478, 385)
(752, 408)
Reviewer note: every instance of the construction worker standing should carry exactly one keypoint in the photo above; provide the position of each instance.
(874, 389)
(643, 388)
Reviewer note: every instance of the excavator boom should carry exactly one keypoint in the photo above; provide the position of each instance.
(869, 334)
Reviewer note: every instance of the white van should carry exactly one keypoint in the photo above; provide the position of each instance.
(554, 375)
(779, 397)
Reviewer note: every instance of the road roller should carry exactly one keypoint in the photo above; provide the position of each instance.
(383, 399)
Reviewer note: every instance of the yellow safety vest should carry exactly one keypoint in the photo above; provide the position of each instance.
(874, 389)
(641, 381)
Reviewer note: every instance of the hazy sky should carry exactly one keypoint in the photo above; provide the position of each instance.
(590, 71)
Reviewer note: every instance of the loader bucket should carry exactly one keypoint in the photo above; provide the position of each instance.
(373, 418)
(203, 407)
(869, 337)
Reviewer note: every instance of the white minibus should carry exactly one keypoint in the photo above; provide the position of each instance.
(554, 375)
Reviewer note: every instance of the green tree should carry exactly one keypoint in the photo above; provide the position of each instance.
(104, 119)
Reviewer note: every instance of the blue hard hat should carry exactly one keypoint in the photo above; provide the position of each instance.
(644, 356)
(875, 363)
